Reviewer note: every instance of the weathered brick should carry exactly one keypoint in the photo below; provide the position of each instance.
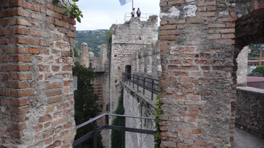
(55, 99)
(22, 93)
(169, 38)
(36, 33)
(34, 50)
(18, 85)
(212, 3)
(216, 25)
(215, 36)
(62, 24)
(53, 93)
(45, 118)
(21, 3)
(54, 14)
(168, 27)
(23, 40)
(15, 68)
(195, 21)
(53, 85)
(69, 20)
(176, 2)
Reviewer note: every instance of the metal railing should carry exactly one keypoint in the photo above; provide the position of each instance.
(146, 83)
(122, 128)
(143, 16)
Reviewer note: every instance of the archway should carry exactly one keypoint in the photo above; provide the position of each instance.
(249, 29)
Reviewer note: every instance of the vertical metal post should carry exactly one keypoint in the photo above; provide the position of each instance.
(137, 82)
(152, 85)
(94, 134)
(133, 81)
(124, 132)
(129, 78)
(144, 85)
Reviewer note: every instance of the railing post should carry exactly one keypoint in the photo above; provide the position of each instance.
(124, 78)
(94, 134)
(124, 132)
(152, 85)
(133, 81)
(137, 82)
(129, 78)
(144, 85)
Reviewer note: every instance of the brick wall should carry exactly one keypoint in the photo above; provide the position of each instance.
(200, 41)
(36, 90)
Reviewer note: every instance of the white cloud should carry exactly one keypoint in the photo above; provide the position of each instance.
(101, 14)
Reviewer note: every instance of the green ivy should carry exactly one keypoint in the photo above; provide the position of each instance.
(76, 52)
(157, 120)
(72, 10)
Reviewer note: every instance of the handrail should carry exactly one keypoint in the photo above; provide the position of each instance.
(128, 77)
(108, 114)
(122, 128)
(143, 16)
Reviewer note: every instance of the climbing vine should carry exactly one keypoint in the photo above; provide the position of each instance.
(157, 120)
(72, 10)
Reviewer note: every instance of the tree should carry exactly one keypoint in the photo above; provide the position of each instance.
(259, 69)
(86, 106)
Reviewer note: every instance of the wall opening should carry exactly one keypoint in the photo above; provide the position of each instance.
(128, 71)
(249, 30)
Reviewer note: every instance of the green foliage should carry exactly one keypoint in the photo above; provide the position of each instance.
(85, 104)
(256, 74)
(72, 10)
(75, 52)
(93, 38)
(116, 136)
(259, 69)
(157, 120)
(108, 35)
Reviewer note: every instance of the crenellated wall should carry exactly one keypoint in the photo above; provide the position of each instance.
(36, 91)
(146, 61)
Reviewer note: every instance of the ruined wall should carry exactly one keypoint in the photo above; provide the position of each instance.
(250, 109)
(126, 39)
(242, 67)
(36, 91)
(136, 105)
(85, 56)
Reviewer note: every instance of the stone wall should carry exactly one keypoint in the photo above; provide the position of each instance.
(136, 105)
(250, 109)
(36, 91)
(126, 39)
(146, 61)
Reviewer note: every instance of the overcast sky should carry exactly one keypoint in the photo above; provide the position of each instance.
(101, 14)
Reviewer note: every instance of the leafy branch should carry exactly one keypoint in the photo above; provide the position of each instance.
(157, 120)
(72, 10)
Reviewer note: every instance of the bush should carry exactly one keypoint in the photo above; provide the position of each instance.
(259, 69)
